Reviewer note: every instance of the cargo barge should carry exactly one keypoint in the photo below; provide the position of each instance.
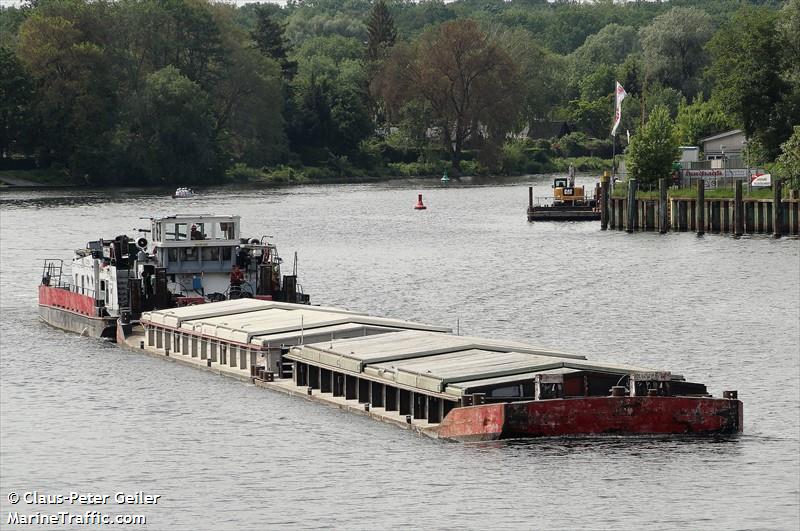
(423, 377)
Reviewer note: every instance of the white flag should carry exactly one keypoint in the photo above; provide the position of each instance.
(620, 95)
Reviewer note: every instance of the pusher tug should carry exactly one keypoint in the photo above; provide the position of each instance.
(194, 259)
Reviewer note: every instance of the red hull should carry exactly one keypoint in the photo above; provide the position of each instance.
(594, 416)
(64, 299)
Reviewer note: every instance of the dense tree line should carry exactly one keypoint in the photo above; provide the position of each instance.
(191, 91)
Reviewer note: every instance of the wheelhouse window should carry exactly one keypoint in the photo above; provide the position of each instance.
(176, 231)
(197, 231)
(188, 254)
(210, 254)
(225, 230)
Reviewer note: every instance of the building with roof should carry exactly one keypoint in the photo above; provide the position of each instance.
(726, 146)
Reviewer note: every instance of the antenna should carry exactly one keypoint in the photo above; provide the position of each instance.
(458, 326)
(301, 329)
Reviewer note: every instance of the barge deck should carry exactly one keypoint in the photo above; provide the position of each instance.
(424, 378)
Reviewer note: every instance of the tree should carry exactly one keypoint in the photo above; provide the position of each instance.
(381, 32)
(788, 26)
(74, 105)
(329, 113)
(653, 148)
(171, 132)
(247, 99)
(16, 93)
(699, 119)
(673, 48)
(541, 72)
(749, 80)
(788, 164)
(269, 39)
(609, 46)
(470, 83)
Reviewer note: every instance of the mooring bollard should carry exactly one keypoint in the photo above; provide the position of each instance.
(618, 390)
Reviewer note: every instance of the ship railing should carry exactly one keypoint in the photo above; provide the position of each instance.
(51, 272)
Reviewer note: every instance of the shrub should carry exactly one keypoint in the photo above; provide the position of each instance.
(241, 172)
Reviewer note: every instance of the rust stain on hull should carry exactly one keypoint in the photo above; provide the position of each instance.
(593, 416)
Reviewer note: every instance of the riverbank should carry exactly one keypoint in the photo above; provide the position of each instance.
(289, 175)
(37, 178)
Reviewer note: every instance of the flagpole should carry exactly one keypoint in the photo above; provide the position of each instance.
(613, 157)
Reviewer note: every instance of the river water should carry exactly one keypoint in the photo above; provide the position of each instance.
(80, 415)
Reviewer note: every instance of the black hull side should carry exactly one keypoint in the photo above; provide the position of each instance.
(101, 327)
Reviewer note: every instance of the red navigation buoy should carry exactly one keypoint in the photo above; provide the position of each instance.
(419, 205)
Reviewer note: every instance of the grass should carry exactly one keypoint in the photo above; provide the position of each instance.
(621, 191)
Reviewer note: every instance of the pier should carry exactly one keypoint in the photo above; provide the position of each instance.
(737, 215)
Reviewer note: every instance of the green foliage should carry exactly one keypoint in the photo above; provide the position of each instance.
(653, 149)
(468, 80)
(700, 119)
(608, 47)
(592, 117)
(788, 163)
(578, 144)
(418, 169)
(749, 80)
(171, 135)
(381, 33)
(673, 47)
(521, 156)
(241, 172)
(269, 39)
(133, 90)
(542, 73)
(16, 94)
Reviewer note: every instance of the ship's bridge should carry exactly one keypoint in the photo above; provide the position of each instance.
(199, 243)
(186, 230)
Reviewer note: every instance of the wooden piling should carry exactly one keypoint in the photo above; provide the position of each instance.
(663, 220)
(604, 202)
(738, 209)
(631, 221)
(700, 209)
(530, 203)
(776, 209)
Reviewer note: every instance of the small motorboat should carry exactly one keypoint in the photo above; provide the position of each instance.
(183, 193)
